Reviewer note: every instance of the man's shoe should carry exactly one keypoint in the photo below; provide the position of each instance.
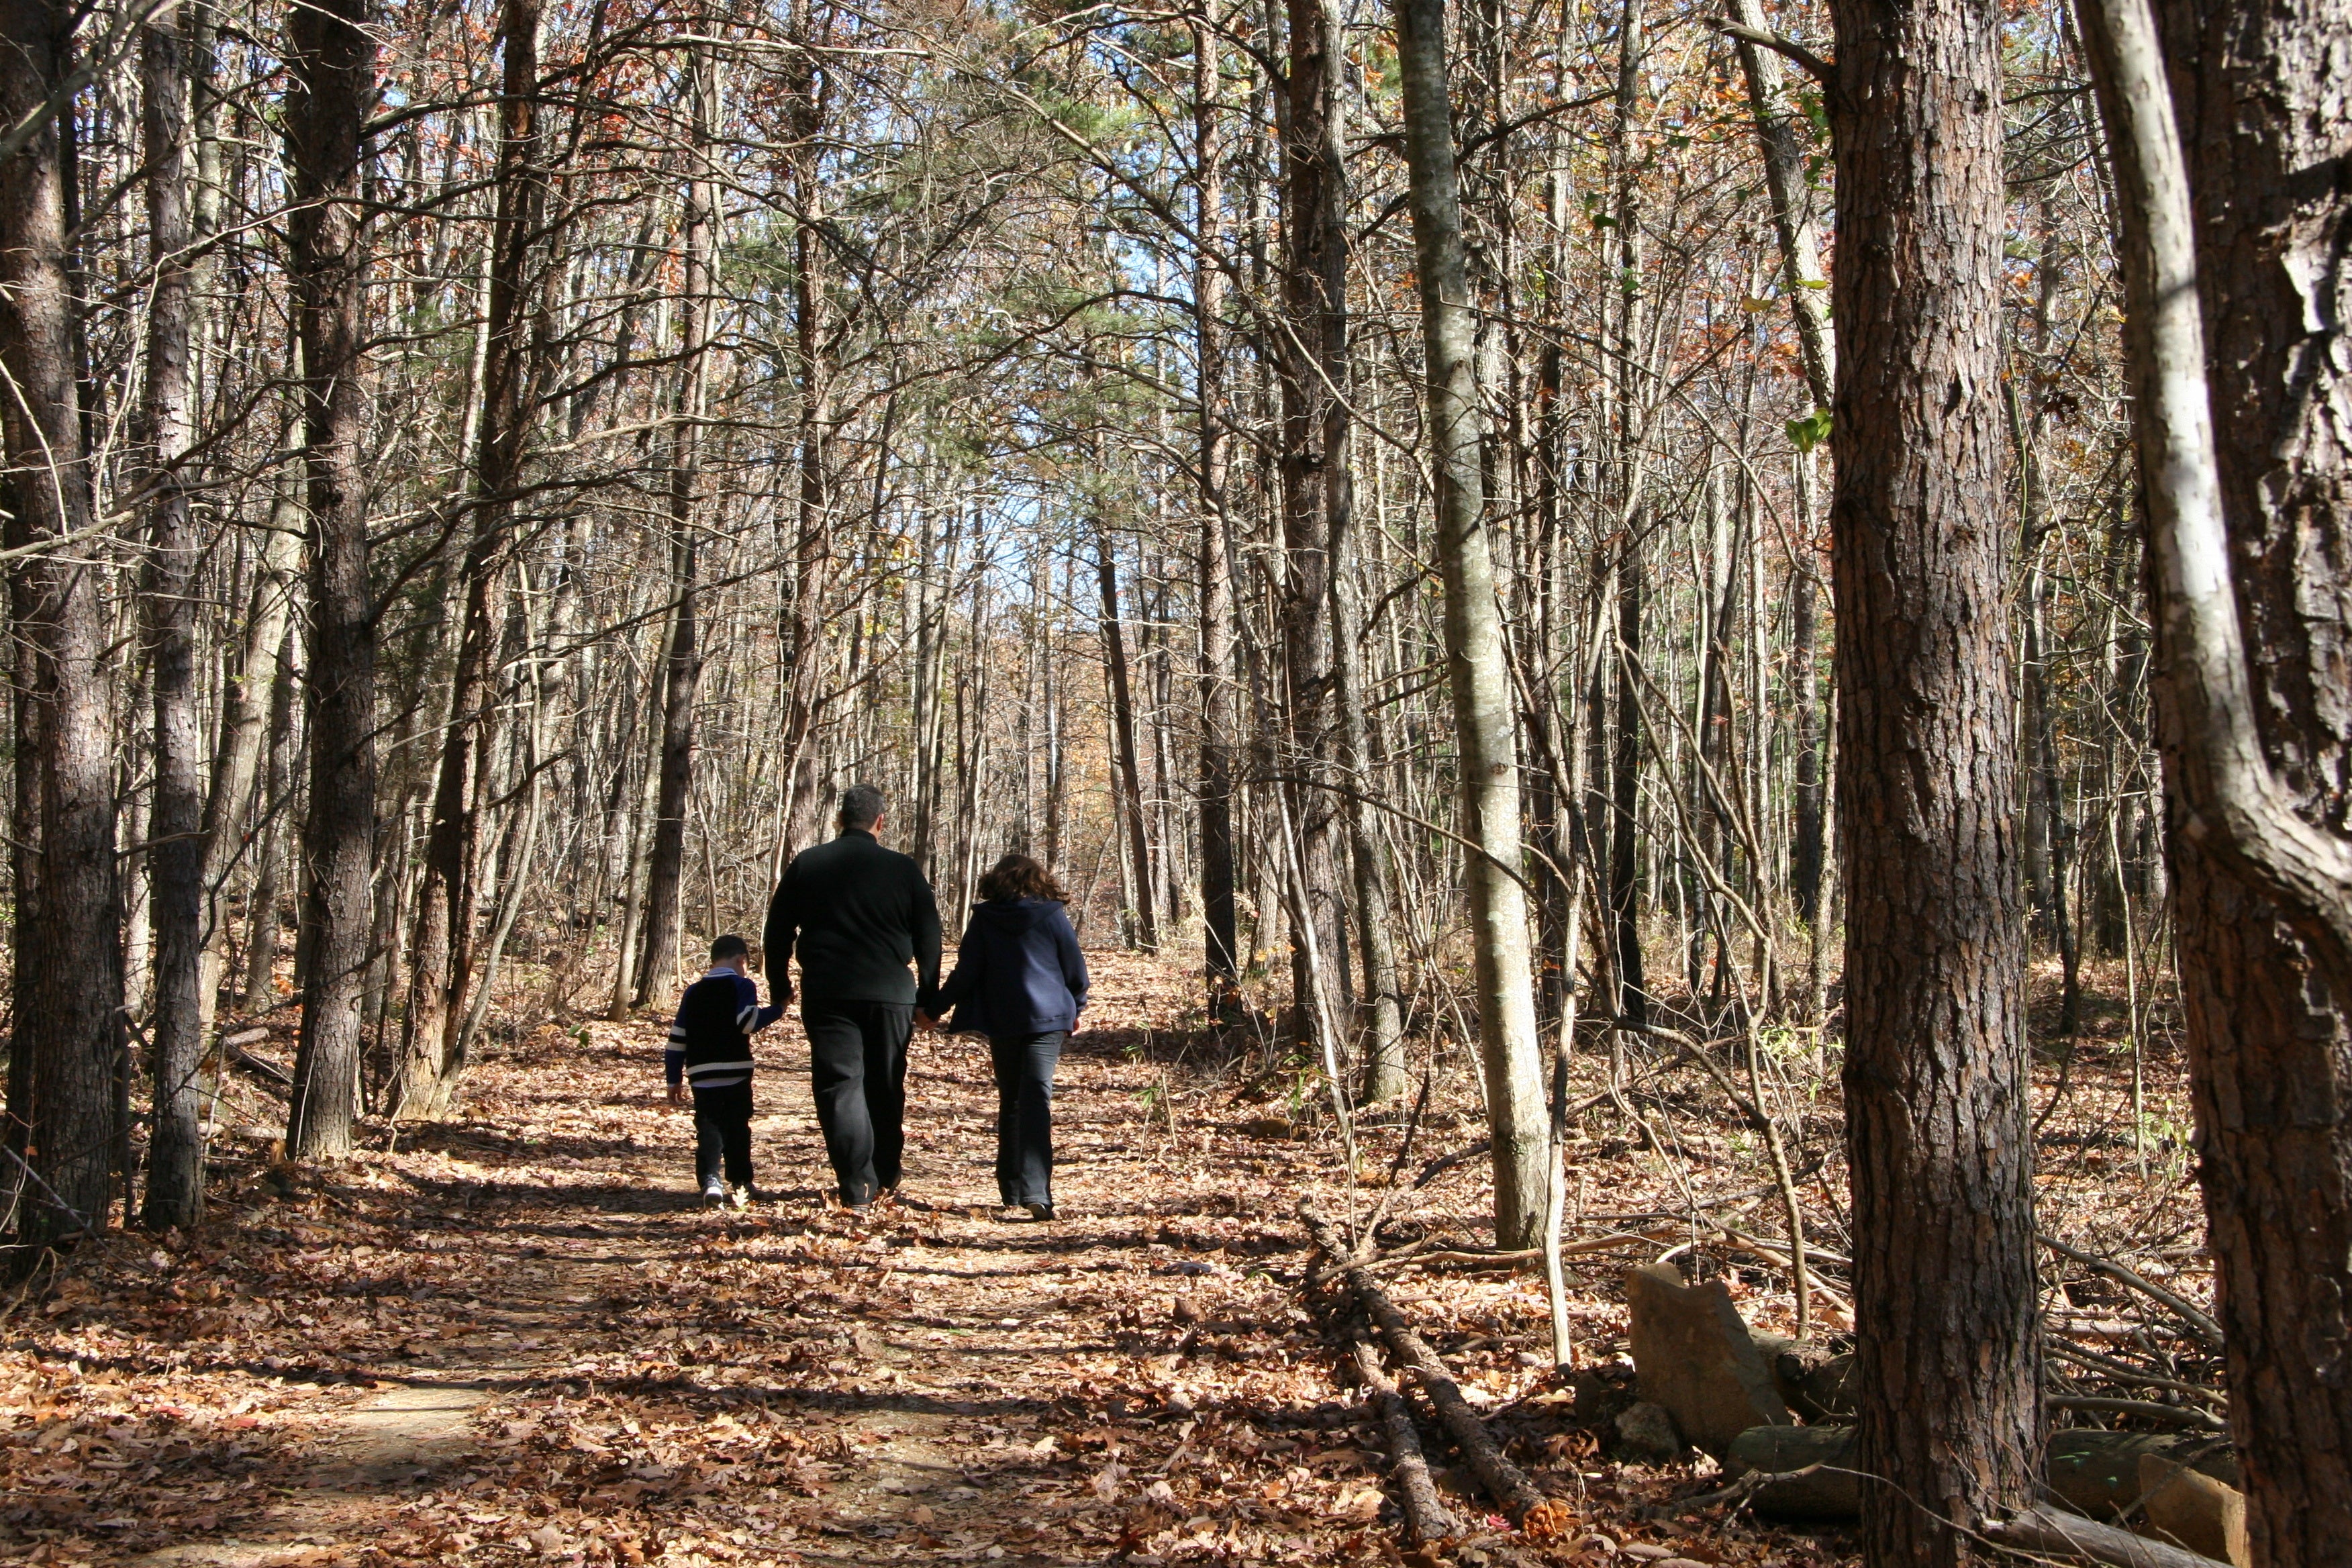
(714, 1195)
(1041, 1211)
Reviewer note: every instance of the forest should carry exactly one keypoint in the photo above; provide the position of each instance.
(1671, 655)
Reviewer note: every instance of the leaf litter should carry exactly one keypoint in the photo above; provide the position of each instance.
(516, 1338)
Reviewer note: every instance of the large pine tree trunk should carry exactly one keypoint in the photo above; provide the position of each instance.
(68, 974)
(2262, 110)
(1935, 1067)
(175, 859)
(1476, 668)
(331, 61)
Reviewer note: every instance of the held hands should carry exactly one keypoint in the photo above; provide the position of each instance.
(926, 1023)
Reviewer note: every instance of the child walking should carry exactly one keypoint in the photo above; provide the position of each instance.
(1020, 979)
(710, 1049)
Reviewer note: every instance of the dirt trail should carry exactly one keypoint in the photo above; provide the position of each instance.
(517, 1338)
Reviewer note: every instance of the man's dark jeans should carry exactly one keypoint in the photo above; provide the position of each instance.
(1025, 1114)
(722, 1132)
(858, 1057)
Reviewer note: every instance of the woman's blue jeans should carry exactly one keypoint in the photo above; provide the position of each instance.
(1025, 1114)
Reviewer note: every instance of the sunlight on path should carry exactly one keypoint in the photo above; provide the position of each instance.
(565, 1359)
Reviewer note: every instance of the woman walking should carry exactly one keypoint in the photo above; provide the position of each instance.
(1019, 979)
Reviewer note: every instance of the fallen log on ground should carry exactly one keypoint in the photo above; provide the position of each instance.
(1521, 1258)
(233, 1051)
(1425, 1514)
(2098, 1473)
(2067, 1535)
(1796, 1472)
(1526, 1506)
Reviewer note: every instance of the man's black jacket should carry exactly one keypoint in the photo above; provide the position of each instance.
(859, 913)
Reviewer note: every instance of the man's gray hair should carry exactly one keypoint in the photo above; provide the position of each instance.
(861, 805)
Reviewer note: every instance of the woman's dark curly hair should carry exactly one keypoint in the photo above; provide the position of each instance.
(1019, 877)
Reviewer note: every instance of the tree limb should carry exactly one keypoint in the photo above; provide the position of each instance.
(1819, 70)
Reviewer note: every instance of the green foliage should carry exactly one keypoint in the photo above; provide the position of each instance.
(1810, 430)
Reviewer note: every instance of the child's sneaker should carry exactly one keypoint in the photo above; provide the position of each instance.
(714, 1193)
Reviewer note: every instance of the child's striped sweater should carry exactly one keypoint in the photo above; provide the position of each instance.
(711, 1042)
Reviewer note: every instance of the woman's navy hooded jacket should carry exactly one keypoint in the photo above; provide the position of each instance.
(1018, 971)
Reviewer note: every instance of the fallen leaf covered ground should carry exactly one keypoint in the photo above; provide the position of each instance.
(516, 1338)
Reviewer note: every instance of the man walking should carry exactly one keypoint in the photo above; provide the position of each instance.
(859, 913)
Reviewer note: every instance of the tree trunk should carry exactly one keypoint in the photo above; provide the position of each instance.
(1311, 365)
(441, 961)
(1221, 959)
(1806, 838)
(1631, 397)
(2270, 1028)
(1475, 666)
(812, 540)
(1384, 1077)
(657, 960)
(1130, 767)
(255, 711)
(1934, 1070)
(330, 58)
(175, 856)
(270, 850)
(68, 975)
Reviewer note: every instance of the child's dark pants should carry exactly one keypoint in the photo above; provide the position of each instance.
(722, 1128)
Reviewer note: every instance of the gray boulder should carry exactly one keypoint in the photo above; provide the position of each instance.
(1648, 1433)
(1692, 1354)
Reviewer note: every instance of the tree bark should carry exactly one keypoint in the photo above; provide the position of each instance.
(175, 854)
(441, 959)
(2250, 574)
(1220, 934)
(254, 715)
(1475, 665)
(1311, 368)
(1632, 1000)
(330, 59)
(68, 982)
(1934, 1074)
(1384, 1076)
(269, 848)
(1130, 767)
(657, 960)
